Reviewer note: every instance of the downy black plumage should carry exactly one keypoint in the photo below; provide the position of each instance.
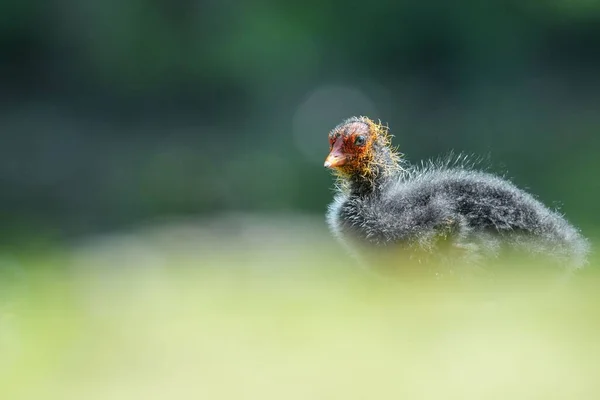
(440, 213)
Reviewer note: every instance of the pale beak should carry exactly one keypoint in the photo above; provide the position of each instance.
(336, 157)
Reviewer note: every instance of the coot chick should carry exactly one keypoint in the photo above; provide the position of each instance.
(397, 216)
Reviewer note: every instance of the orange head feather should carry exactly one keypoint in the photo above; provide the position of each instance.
(360, 147)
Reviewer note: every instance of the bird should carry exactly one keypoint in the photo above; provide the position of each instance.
(442, 217)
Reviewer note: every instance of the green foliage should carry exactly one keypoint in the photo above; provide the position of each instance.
(120, 111)
(150, 316)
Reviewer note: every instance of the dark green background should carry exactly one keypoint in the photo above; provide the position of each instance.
(115, 112)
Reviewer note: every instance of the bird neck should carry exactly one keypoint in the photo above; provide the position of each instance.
(382, 165)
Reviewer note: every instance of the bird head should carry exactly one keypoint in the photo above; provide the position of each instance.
(360, 147)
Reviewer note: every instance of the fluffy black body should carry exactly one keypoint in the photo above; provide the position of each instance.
(452, 213)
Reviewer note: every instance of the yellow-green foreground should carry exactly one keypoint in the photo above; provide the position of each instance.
(134, 320)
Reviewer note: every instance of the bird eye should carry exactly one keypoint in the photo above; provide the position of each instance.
(360, 140)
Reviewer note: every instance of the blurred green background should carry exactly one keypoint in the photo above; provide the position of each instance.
(164, 159)
(114, 113)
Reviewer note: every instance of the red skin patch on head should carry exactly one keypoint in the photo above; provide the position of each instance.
(353, 154)
(342, 146)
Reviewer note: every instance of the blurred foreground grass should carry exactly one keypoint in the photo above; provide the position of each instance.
(263, 310)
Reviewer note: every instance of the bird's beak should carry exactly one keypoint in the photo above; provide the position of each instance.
(336, 157)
